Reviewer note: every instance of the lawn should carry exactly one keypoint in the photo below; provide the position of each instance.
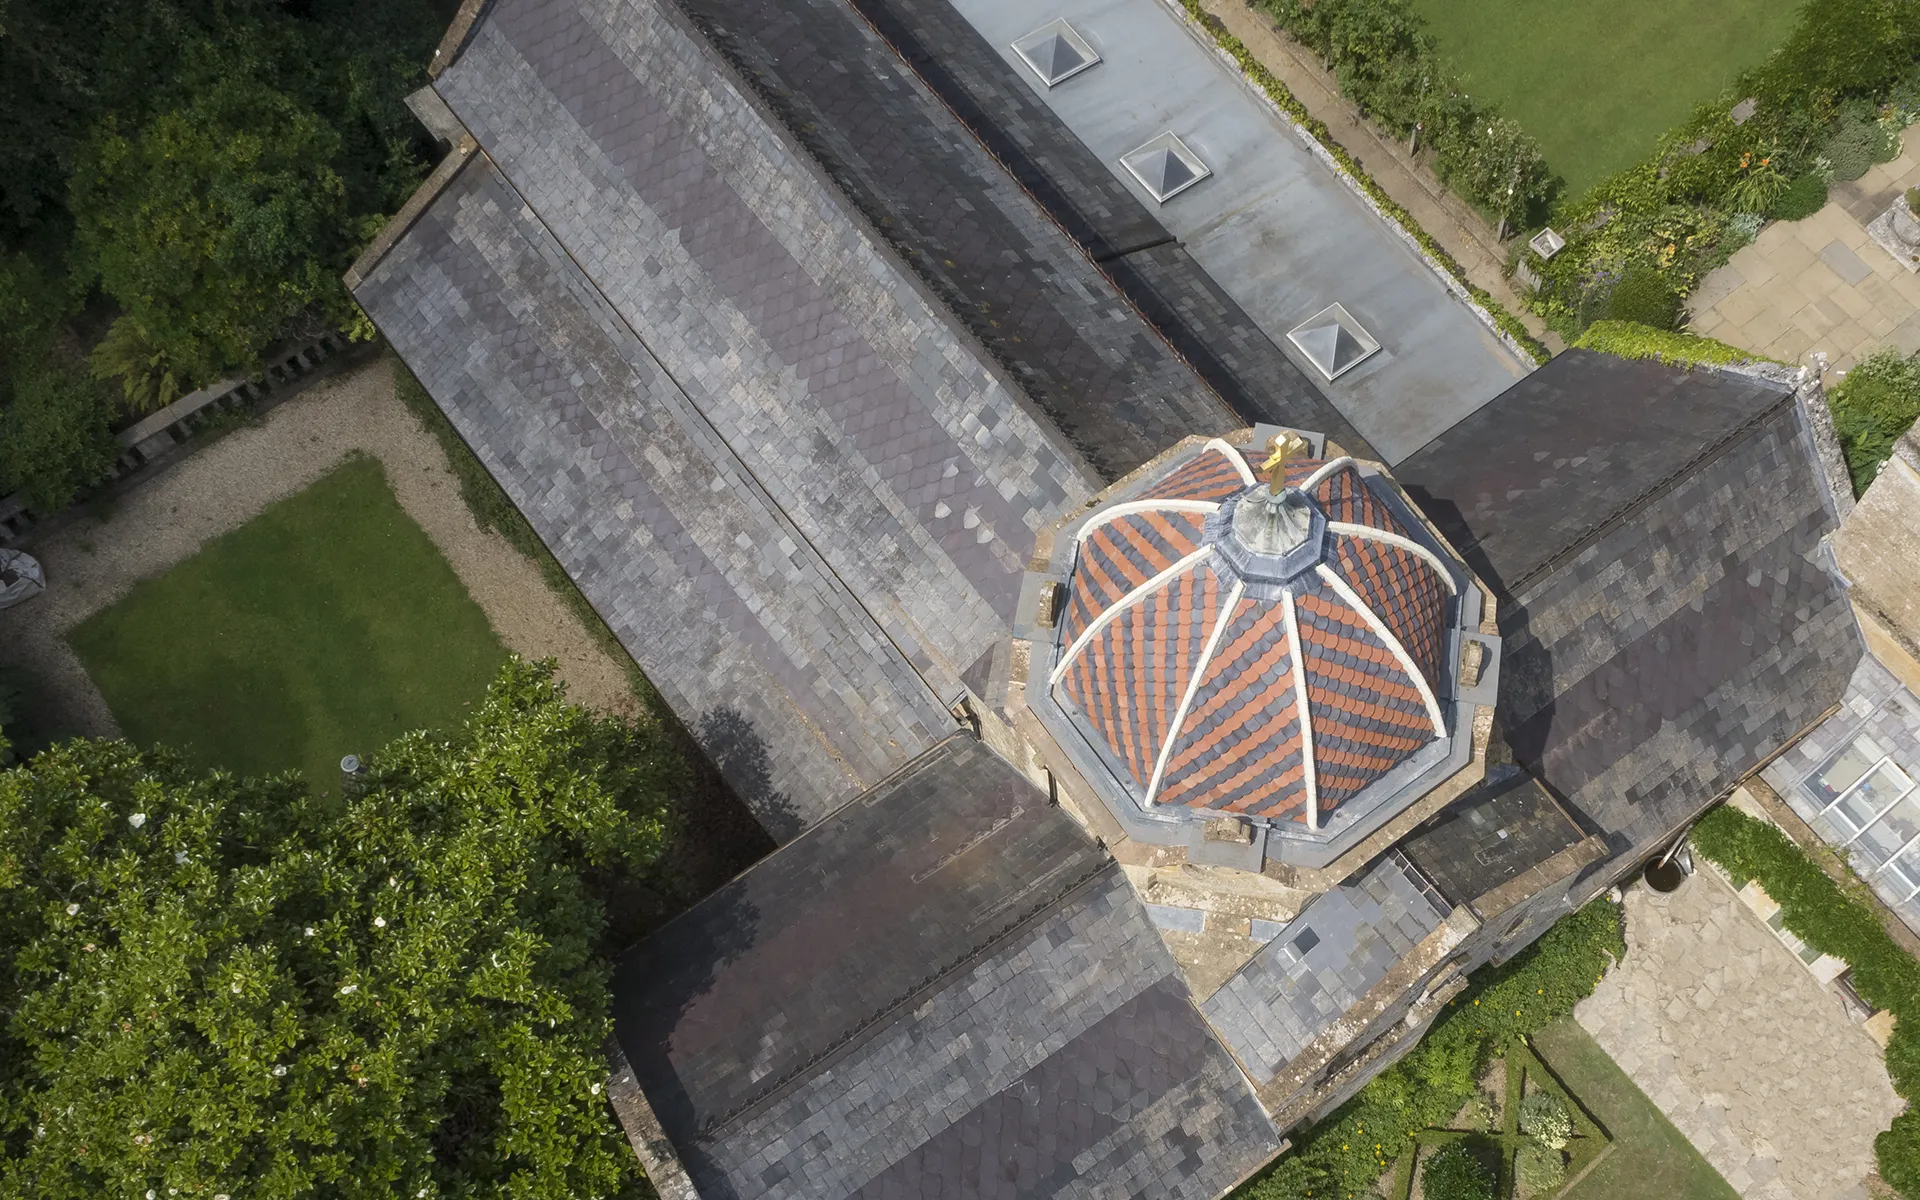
(1650, 1157)
(325, 626)
(1597, 82)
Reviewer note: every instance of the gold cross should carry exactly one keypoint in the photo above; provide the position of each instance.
(1285, 447)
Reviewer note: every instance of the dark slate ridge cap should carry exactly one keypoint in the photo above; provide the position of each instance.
(1458, 529)
(1138, 255)
(886, 1011)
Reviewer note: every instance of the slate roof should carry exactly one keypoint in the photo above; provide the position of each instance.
(711, 587)
(1258, 686)
(1319, 966)
(1080, 350)
(1670, 613)
(944, 989)
(1503, 827)
(877, 134)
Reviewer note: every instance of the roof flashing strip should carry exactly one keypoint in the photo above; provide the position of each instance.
(1131, 507)
(1193, 687)
(1121, 605)
(1399, 651)
(1404, 543)
(1304, 716)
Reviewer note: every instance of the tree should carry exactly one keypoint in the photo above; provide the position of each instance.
(215, 223)
(222, 987)
(56, 437)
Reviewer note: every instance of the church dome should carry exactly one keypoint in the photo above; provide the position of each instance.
(1236, 648)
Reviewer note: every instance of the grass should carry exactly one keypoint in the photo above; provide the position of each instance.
(1650, 1157)
(1596, 83)
(326, 625)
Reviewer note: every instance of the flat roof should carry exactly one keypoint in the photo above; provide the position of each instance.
(1275, 226)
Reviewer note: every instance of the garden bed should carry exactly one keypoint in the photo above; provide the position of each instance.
(1491, 1128)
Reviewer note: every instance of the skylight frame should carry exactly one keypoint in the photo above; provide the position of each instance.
(1335, 313)
(1169, 141)
(1024, 46)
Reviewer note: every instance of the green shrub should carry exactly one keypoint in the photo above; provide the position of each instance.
(1545, 1119)
(1628, 340)
(400, 994)
(1387, 62)
(1541, 1169)
(1644, 298)
(1830, 920)
(1851, 147)
(1876, 403)
(1802, 198)
(1456, 1172)
(56, 437)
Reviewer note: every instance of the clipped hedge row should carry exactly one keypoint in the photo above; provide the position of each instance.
(1830, 920)
(1625, 339)
(1282, 96)
(1354, 1146)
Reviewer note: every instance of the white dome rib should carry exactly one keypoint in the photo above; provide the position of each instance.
(1234, 456)
(1142, 506)
(1121, 605)
(1381, 631)
(1193, 686)
(1303, 715)
(1325, 469)
(1394, 539)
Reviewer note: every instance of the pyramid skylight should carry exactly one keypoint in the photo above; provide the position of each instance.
(1165, 167)
(1056, 52)
(1333, 341)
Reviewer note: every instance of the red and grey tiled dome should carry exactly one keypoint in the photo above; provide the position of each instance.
(1232, 648)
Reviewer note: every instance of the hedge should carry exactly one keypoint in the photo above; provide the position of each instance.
(1825, 916)
(1283, 97)
(1625, 339)
(1359, 1141)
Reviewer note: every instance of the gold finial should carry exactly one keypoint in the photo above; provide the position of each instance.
(1285, 447)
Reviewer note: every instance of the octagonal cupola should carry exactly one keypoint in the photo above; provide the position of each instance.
(1269, 636)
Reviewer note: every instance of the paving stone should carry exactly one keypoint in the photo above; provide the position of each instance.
(1775, 1086)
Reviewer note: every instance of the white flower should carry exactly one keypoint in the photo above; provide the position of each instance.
(595, 1089)
(236, 987)
(149, 1194)
(220, 1196)
(179, 856)
(379, 922)
(420, 1193)
(137, 820)
(309, 931)
(279, 1071)
(73, 909)
(393, 883)
(350, 989)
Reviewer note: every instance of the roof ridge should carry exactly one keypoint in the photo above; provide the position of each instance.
(910, 998)
(1646, 499)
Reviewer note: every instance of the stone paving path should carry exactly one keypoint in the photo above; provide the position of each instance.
(1755, 1062)
(1820, 284)
(92, 563)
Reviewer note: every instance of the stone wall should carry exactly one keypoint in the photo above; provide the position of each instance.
(1878, 548)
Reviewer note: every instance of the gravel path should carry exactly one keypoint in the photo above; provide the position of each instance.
(92, 563)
